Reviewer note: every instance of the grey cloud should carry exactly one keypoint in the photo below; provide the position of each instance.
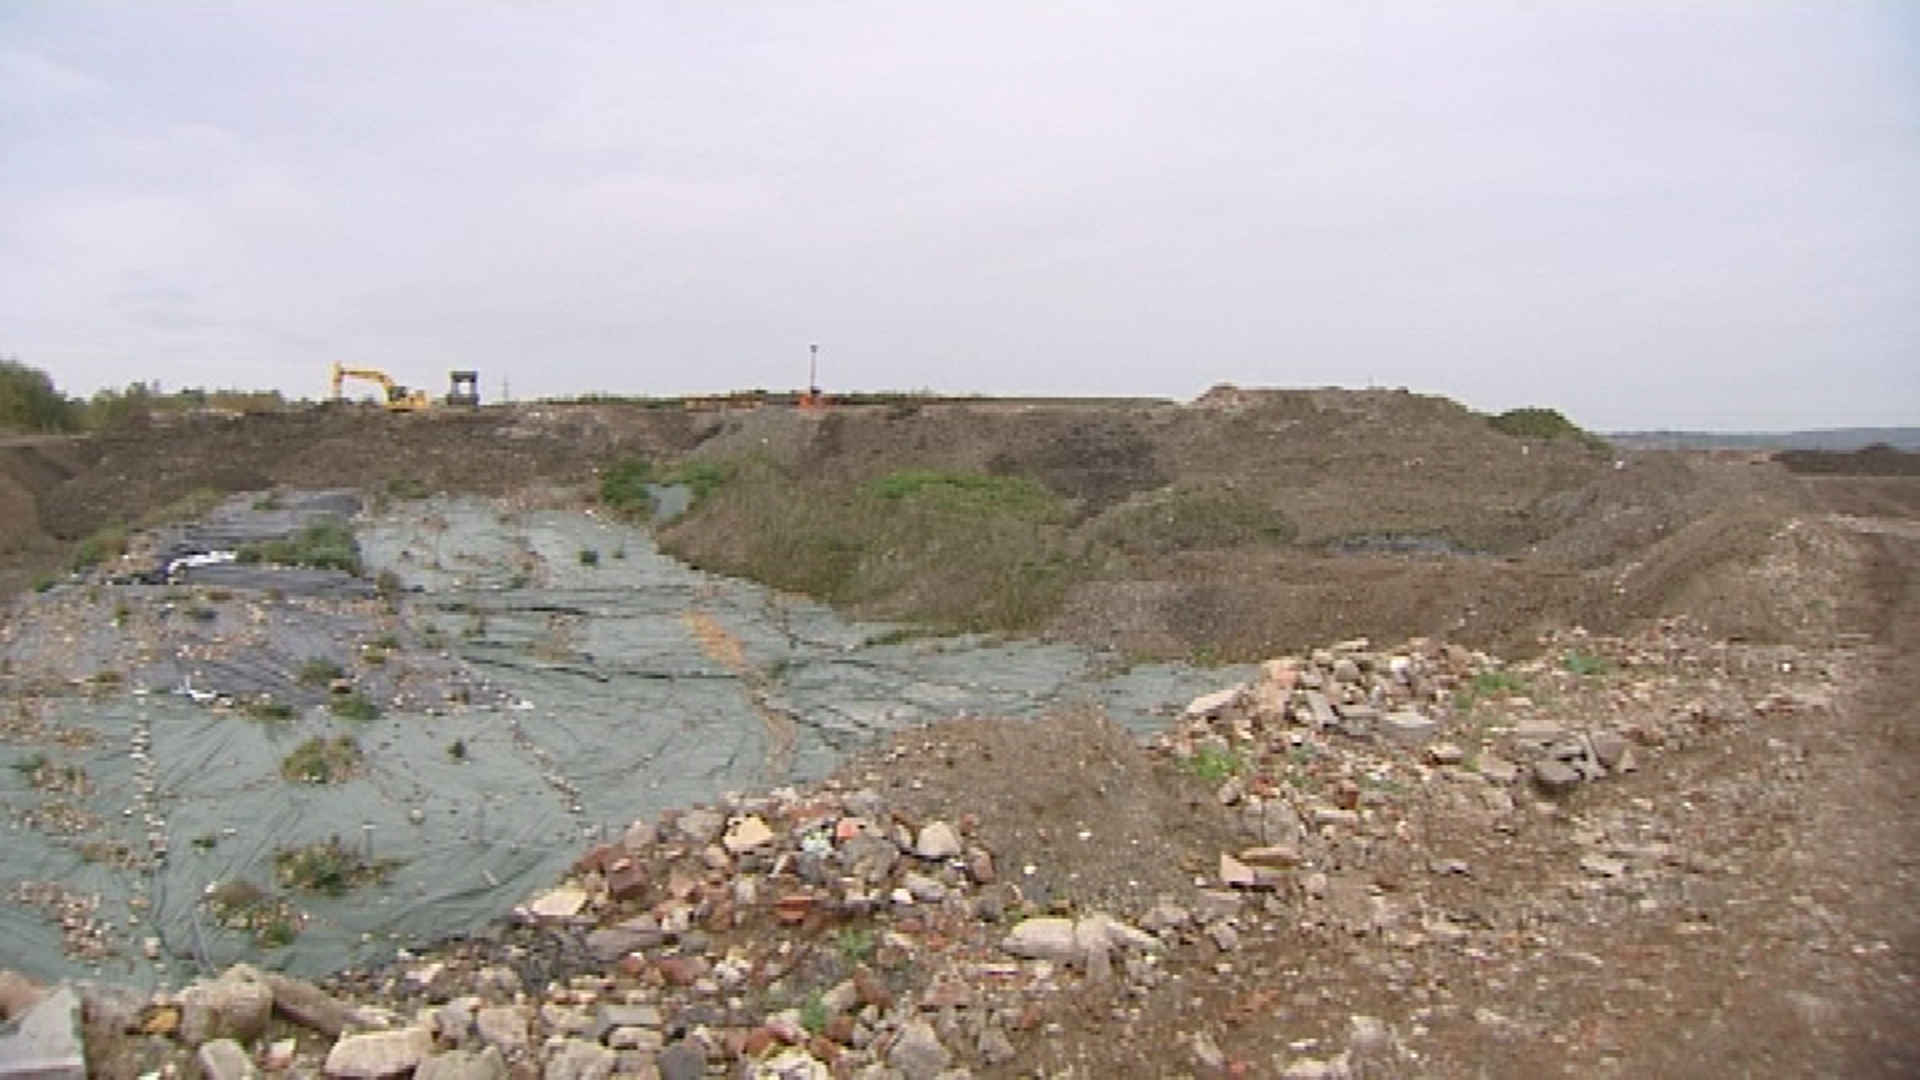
(1644, 217)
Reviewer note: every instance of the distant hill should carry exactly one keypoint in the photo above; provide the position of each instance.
(1834, 439)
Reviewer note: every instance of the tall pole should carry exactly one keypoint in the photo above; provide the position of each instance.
(813, 370)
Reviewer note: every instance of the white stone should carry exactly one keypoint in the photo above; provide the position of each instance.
(1407, 727)
(575, 1059)
(748, 833)
(1045, 937)
(1234, 873)
(562, 903)
(45, 1040)
(1207, 706)
(918, 1053)
(224, 1059)
(377, 1054)
(1602, 866)
(792, 1063)
(504, 1026)
(937, 840)
(923, 888)
(237, 1005)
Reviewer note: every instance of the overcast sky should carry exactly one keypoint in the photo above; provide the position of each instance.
(1645, 215)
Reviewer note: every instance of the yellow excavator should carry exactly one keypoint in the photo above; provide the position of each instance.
(398, 398)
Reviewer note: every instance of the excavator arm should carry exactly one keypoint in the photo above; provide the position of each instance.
(397, 397)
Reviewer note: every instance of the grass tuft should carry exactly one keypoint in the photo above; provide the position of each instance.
(329, 867)
(624, 491)
(1215, 764)
(323, 545)
(324, 761)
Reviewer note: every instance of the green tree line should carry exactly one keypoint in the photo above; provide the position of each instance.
(31, 403)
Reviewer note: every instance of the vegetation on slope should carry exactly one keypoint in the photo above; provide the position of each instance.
(956, 550)
(1538, 423)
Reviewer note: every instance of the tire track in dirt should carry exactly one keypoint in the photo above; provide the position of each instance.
(1863, 829)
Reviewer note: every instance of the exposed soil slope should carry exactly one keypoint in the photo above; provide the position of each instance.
(1241, 525)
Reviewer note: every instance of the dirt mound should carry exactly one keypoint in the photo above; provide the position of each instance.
(1242, 524)
(1249, 522)
(1076, 813)
(1876, 460)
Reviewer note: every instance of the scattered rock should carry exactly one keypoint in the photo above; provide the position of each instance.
(377, 1054)
(918, 1053)
(224, 1059)
(1408, 727)
(44, 1042)
(1044, 937)
(1555, 778)
(564, 902)
(306, 1004)
(681, 1059)
(937, 840)
(504, 1027)
(578, 1059)
(237, 1006)
(484, 1064)
(749, 833)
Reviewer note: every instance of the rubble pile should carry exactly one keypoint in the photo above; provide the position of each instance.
(1425, 816)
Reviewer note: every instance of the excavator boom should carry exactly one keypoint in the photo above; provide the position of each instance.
(397, 398)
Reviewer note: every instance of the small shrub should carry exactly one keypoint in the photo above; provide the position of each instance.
(102, 545)
(1581, 663)
(323, 761)
(319, 671)
(703, 478)
(269, 710)
(353, 706)
(328, 867)
(1215, 764)
(623, 488)
(407, 487)
(323, 545)
(814, 1014)
(457, 750)
(240, 905)
(589, 557)
(1487, 685)
(377, 650)
(855, 944)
